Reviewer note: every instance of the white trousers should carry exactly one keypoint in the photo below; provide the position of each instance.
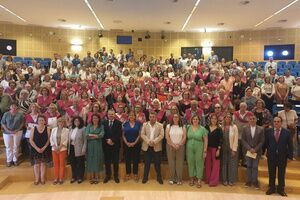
(12, 145)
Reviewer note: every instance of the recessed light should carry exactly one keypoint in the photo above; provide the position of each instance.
(61, 20)
(117, 21)
(244, 2)
(167, 22)
(221, 24)
(282, 21)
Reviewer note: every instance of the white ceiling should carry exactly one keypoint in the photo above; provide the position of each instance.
(152, 14)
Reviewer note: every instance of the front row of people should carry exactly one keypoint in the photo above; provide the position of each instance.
(212, 147)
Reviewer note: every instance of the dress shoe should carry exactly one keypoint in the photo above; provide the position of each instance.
(8, 164)
(106, 179)
(270, 191)
(248, 184)
(79, 181)
(282, 193)
(256, 185)
(160, 181)
(144, 180)
(117, 180)
(73, 180)
(16, 163)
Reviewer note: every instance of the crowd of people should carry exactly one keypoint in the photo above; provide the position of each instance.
(105, 108)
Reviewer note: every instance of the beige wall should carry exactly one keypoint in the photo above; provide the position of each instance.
(36, 41)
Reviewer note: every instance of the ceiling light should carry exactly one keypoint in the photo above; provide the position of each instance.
(167, 22)
(282, 21)
(244, 2)
(93, 12)
(11, 12)
(190, 15)
(270, 53)
(285, 53)
(279, 11)
(221, 24)
(61, 20)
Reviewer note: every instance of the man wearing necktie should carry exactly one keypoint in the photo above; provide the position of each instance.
(111, 145)
(279, 148)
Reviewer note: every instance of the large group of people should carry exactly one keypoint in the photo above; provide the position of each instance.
(105, 108)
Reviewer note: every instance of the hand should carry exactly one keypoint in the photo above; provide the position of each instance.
(151, 143)
(218, 153)
(110, 142)
(39, 150)
(204, 154)
(252, 150)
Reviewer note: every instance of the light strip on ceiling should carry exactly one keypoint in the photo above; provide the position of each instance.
(93, 12)
(279, 11)
(190, 15)
(11, 12)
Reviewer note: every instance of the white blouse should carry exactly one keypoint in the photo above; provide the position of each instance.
(176, 133)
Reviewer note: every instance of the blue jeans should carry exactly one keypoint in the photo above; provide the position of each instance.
(252, 169)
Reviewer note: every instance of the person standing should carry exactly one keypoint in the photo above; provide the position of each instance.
(196, 149)
(111, 145)
(152, 135)
(40, 140)
(176, 137)
(59, 143)
(279, 148)
(94, 134)
(12, 123)
(229, 151)
(253, 139)
(132, 145)
(77, 149)
(212, 160)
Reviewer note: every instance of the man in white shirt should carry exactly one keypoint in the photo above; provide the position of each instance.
(289, 79)
(271, 63)
(68, 58)
(152, 135)
(121, 57)
(253, 140)
(194, 61)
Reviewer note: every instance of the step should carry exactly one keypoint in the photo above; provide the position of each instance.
(291, 173)
(3, 181)
(291, 186)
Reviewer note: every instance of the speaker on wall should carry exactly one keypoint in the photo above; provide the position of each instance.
(8, 47)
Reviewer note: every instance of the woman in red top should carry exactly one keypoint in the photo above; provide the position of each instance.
(64, 102)
(44, 100)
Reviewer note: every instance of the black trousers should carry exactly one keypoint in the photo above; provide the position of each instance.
(272, 167)
(156, 156)
(132, 156)
(77, 164)
(111, 156)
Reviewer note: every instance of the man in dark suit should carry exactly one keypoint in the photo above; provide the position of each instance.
(111, 145)
(279, 148)
(253, 139)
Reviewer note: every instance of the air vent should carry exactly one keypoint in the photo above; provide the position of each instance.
(61, 20)
(244, 2)
(221, 24)
(282, 21)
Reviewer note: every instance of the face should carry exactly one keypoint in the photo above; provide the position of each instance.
(195, 121)
(95, 120)
(277, 123)
(252, 120)
(77, 122)
(228, 119)
(243, 107)
(249, 93)
(111, 115)
(13, 107)
(152, 118)
(217, 108)
(175, 119)
(213, 120)
(41, 121)
(60, 122)
(259, 104)
(131, 117)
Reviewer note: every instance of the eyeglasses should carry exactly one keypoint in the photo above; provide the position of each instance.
(217, 107)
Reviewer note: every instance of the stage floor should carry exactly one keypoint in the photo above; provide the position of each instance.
(130, 191)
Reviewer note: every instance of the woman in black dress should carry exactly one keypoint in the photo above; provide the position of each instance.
(39, 140)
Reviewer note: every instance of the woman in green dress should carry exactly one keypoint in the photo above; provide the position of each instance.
(94, 134)
(196, 147)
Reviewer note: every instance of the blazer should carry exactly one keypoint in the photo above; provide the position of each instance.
(233, 137)
(158, 136)
(281, 150)
(64, 138)
(79, 142)
(256, 142)
(114, 133)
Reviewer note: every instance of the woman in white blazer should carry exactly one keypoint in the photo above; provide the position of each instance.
(229, 151)
(59, 143)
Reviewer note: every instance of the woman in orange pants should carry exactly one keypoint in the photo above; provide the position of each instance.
(59, 142)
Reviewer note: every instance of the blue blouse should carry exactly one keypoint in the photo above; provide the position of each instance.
(131, 133)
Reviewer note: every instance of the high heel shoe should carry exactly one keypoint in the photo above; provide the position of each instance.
(199, 184)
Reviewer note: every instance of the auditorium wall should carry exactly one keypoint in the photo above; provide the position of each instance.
(37, 41)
